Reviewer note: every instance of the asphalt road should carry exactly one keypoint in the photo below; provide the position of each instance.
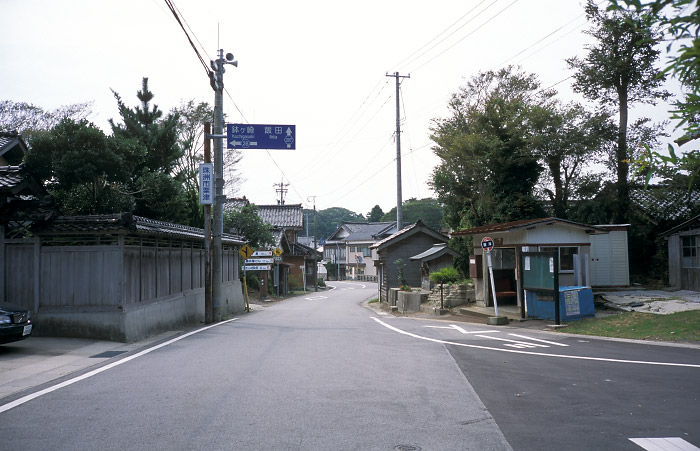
(311, 373)
(321, 372)
(549, 391)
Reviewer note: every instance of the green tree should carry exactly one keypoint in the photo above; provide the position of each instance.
(328, 220)
(85, 170)
(190, 137)
(679, 20)
(158, 194)
(375, 214)
(568, 139)
(619, 70)
(248, 223)
(487, 170)
(427, 210)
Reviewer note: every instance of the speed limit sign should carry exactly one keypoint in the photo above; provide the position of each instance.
(487, 244)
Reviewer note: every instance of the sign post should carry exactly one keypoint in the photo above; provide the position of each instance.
(487, 246)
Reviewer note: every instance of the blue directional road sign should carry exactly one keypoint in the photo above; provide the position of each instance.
(260, 136)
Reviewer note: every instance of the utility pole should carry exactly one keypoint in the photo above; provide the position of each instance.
(216, 76)
(208, 310)
(282, 190)
(399, 201)
(315, 263)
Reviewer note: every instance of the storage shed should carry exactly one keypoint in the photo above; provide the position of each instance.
(588, 255)
(684, 255)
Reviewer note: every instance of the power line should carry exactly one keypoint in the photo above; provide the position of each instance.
(443, 32)
(172, 8)
(466, 36)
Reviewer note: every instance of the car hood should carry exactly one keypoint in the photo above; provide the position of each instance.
(10, 308)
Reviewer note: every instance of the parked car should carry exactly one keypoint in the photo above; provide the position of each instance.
(15, 323)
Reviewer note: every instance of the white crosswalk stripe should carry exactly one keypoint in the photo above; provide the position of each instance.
(664, 444)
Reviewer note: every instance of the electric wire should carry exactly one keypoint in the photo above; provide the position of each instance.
(450, 35)
(464, 37)
(441, 33)
(172, 8)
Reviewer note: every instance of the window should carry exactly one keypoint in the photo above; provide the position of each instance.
(366, 252)
(566, 256)
(690, 252)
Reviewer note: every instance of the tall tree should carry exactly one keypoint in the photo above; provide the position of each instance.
(427, 210)
(619, 70)
(28, 119)
(86, 171)
(679, 21)
(488, 171)
(568, 140)
(159, 195)
(329, 219)
(375, 214)
(248, 223)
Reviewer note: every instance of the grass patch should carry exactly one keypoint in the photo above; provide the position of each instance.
(373, 301)
(680, 327)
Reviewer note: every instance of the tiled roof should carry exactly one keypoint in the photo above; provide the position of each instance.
(282, 216)
(127, 223)
(363, 231)
(235, 203)
(12, 147)
(434, 252)
(408, 231)
(10, 177)
(665, 204)
(515, 225)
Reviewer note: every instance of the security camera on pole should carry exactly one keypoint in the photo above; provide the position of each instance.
(487, 247)
(216, 78)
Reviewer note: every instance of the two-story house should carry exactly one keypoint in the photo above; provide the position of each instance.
(347, 252)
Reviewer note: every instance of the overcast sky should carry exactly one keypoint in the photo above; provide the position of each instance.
(319, 65)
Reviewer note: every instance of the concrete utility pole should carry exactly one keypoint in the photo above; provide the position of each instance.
(307, 234)
(399, 201)
(217, 83)
(208, 305)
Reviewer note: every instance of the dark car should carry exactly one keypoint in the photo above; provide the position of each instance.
(15, 323)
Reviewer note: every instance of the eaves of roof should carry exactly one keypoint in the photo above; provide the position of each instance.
(523, 224)
(126, 223)
(437, 251)
(406, 232)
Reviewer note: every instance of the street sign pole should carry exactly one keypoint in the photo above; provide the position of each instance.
(487, 247)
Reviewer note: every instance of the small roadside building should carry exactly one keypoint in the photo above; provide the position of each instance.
(588, 255)
(434, 259)
(411, 241)
(684, 255)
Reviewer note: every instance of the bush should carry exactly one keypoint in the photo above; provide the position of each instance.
(448, 274)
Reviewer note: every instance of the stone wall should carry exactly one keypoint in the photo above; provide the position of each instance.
(453, 295)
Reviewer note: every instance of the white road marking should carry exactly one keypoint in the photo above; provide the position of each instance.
(538, 339)
(519, 343)
(25, 399)
(664, 444)
(542, 354)
(455, 327)
(313, 298)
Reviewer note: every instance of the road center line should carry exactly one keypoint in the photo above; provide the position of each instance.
(25, 399)
(542, 354)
